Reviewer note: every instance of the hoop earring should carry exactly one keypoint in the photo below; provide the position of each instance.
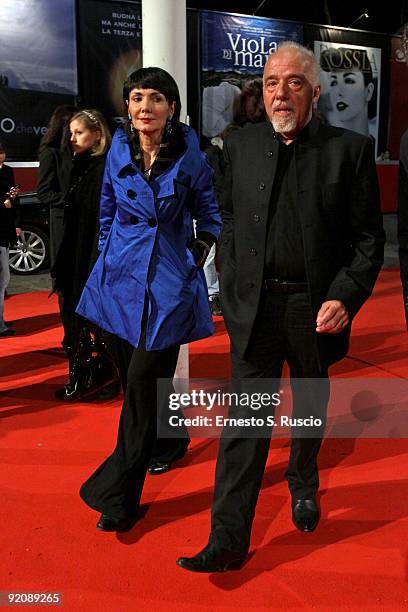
(169, 125)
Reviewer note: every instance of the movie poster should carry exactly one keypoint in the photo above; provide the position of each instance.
(109, 49)
(235, 47)
(37, 70)
(350, 86)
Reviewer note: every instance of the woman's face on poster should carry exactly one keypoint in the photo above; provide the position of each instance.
(348, 94)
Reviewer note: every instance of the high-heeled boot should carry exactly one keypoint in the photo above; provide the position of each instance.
(79, 369)
(89, 373)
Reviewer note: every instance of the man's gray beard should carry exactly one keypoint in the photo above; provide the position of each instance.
(283, 125)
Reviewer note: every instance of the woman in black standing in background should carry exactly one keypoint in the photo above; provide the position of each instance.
(90, 139)
(55, 159)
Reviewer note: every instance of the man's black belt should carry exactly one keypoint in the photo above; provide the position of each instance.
(275, 285)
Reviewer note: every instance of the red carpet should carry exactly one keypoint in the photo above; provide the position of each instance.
(357, 558)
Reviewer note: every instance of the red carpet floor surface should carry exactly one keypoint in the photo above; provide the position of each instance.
(356, 559)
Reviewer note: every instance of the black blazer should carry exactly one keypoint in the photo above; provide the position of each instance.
(78, 250)
(53, 176)
(339, 210)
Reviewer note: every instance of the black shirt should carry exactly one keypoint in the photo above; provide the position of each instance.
(284, 257)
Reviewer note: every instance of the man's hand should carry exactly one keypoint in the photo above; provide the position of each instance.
(18, 232)
(332, 317)
(7, 203)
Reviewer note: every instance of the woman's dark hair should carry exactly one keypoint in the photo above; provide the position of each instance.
(57, 134)
(355, 60)
(153, 78)
(249, 105)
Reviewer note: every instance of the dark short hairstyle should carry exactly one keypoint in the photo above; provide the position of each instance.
(154, 78)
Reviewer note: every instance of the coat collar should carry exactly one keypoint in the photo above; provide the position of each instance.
(182, 171)
(307, 135)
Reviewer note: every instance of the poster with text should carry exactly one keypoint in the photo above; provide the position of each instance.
(37, 70)
(24, 116)
(350, 86)
(109, 49)
(233, 48)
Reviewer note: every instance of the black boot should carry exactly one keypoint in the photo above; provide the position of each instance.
(88, 373)
(79, 356)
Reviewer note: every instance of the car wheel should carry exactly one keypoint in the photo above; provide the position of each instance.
(31, 253)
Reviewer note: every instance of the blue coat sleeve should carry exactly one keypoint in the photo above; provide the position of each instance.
(204, 205)
(108, 204)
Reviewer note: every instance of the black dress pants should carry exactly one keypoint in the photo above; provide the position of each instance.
(284, 331)
(164, 450)
(116, 486)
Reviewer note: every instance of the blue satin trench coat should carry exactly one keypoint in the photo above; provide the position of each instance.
(145, 230)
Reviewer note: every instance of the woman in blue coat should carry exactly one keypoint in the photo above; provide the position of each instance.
(147, 287)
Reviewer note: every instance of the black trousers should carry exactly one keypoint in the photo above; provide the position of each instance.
(164, 449)
(116, 486)
(284, 331)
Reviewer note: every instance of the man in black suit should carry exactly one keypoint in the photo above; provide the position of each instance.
(301, 248)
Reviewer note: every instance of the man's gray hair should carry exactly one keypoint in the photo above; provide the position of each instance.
(309, 55)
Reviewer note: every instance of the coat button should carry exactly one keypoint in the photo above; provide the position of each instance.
(256, 218)
(270, 153)
(133, 219)
(152, 222)
(262, 186)
(251, 285)
(253, 252)
(131, 194)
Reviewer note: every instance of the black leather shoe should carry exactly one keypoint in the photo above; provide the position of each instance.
(305, 514)
(108, 523)
(212, 559)
(157, 467)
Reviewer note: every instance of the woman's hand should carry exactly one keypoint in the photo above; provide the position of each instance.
(200, 251)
